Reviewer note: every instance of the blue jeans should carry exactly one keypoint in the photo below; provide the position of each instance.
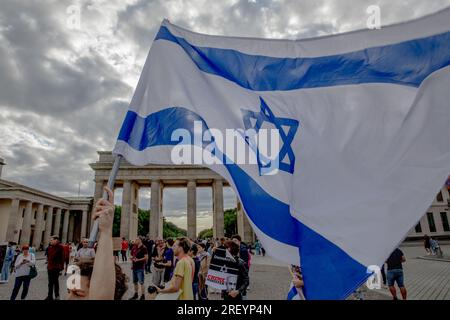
(25, 280)
(138, 276)
(395, 275)
(195, 290)
(5, 270)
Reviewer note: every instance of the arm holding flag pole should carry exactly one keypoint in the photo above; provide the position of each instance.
(111, 181)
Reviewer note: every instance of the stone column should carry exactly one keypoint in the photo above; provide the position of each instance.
(48, 227)
(134, 210)
(244, 227)
(71, 226)
(83, 225)
(98, 193)
(12, 231)
(26, 224)
(192, 209)
(126, 210)
(161, 216)
(57, 226)
(38, 227)
(65, 226)
(155, 209)
(218, 217)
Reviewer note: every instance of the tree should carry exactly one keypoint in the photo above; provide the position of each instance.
(205, 234)
(170, 230)
(143, 222)
(116, 221)
(230, 222)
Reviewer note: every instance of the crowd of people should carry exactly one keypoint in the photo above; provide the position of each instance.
(432, 246)
(178, 267)
(181, 265)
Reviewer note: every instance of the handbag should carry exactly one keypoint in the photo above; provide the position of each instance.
(33, 272)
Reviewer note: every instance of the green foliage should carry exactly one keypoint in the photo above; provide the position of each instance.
(116, 222)
(170, 230)
(230, 225)
(206, 234)
(143, 222)
(230, 222)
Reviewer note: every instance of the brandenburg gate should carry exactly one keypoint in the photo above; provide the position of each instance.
(158, 177)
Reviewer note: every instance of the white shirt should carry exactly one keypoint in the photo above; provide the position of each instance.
(86, 253)
(24, 269)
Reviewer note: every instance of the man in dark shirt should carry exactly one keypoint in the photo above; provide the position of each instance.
(243, 249)
(395, 273)
(55, 264)
(148, 243)
(139, 258)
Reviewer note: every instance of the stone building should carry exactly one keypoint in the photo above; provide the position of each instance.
(30, 216)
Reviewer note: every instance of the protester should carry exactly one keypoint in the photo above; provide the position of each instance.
(116, 256)
(298, 283)
(221, 243)
(16, 254)
(9, 256)
(242, 279)
(158, 262)
(138, 259)
(183, 273)
(395, 273)
(66, 249)
(257, 247)
(73, 252)
(168, 261)
(101, 278)
(193, 255)
(124, 249)
(85, 251)
(426, 243)
(24, 262)
(204, 259)
(55, 264)
(148, 243)
(435, 248)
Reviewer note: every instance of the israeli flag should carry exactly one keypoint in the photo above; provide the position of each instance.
(364, 135)
(294, 294)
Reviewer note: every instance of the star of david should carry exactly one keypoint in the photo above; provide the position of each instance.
(287, 129)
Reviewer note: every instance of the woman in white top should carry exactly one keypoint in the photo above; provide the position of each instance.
(22, 265)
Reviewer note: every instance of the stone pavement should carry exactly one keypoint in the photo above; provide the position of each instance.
(270, 279)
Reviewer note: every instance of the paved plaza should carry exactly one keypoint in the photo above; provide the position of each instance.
(270, 279)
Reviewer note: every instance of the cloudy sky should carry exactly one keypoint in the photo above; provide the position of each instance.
(66, 79)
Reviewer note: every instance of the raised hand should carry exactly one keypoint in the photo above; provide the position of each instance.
(104, 211)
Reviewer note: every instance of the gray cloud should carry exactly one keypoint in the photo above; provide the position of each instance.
(64, 91)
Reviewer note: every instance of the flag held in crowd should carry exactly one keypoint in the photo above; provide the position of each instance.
(364, 126)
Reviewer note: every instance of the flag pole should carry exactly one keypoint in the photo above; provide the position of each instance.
(111, 181)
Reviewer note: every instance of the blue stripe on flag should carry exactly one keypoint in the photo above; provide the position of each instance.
(406, 63)
(329, 272)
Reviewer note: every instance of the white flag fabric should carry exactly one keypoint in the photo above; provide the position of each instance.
(364, 122)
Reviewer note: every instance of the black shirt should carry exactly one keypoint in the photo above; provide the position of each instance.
(139, 254)
(395, 260)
